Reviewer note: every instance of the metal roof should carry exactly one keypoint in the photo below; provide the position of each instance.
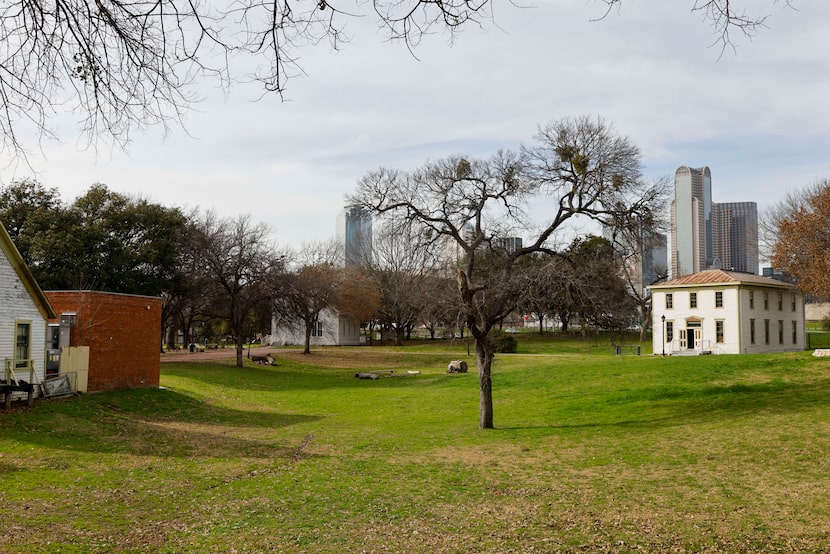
(721, 277)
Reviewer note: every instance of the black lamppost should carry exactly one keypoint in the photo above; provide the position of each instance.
(663, 317)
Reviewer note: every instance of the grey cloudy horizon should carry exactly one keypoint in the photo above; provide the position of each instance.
(756, 117)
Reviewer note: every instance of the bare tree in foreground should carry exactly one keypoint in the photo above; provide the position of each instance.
(579, 167)
(122, 66)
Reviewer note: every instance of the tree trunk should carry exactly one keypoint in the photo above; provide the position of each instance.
(307, 344)
(541, 324)
(644, 322)
(398, 335)
(484, 361)
(172, 331)
(240, 349)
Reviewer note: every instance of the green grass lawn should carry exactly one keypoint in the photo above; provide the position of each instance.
(592, 453)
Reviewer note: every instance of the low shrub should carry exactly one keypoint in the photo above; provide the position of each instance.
(503, 342)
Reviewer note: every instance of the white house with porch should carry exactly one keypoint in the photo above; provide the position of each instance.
(24, 314)
(726, 312)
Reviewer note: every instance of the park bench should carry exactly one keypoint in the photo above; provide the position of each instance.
(620, 349)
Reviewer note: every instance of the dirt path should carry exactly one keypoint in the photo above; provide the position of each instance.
(207, 355)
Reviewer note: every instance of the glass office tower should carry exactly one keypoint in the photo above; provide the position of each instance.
(691, 221)
(735, 236)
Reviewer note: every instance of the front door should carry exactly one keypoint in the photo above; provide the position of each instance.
(683, 340)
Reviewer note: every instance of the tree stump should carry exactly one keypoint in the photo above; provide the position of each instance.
(457, 366)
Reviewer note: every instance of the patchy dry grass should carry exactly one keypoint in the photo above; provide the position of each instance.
(593, 453)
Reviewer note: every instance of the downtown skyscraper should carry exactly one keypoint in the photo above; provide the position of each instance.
(706, 235)
(691, 221)
(735, 236)
(354, 234)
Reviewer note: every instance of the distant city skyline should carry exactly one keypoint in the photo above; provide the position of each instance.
(709, 235)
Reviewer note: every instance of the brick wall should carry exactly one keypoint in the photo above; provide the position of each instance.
(122, 332)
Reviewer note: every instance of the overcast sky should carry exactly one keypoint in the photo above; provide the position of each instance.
(759, 118)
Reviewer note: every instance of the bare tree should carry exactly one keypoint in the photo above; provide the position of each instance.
(125, 65)
(238, 257)
(579, 167)
(727, 17)
(357, 298)
(400, 263)
(128, 64)
(312, 287)
(635, 242)
(439, 303)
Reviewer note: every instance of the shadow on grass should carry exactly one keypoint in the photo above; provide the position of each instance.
(671, 406)
(152, 422)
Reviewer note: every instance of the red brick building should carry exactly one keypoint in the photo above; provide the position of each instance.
(122, 331)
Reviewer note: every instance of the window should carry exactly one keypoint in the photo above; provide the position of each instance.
(795, 332)
(766, 300)
(793, 302)
(780, 332)
(766, 331)
(718, 299)
(780, 302)
(693, 300)
(752, 331)
(669, 331)
(719, 331)
(317, 329)
(669, 300)
(22, 342)
(752, 300)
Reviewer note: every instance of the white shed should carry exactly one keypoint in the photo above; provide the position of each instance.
(726, 312)
(332, 329)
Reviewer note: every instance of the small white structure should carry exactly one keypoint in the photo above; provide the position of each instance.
(24, 312)
(817, 311)
(332, 329)
(726, 312)
(354, 234)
